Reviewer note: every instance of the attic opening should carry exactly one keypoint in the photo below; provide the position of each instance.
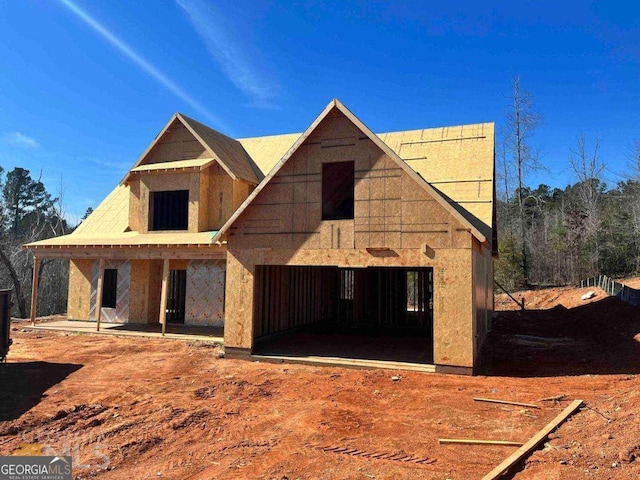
(375, 313)
(338, 198)
(169, 210)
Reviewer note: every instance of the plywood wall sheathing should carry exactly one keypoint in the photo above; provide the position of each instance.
(350, 130)
(393, 212)
(139, 292)
(120, 314)
(220, 198)
(78, 303)
(204, 304)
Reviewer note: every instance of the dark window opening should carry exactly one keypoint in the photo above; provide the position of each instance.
(169, 210)
(176, 299)
(338, 180)
(109, 288)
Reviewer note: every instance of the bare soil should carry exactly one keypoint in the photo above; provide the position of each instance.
(139, 408)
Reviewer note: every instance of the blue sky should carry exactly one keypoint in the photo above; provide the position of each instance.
(85, 86)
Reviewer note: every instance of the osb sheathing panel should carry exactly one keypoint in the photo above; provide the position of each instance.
(391, 209)
(139, 292)
(458, 161)
(111, 216)
(266, 151)
(453, 305)
(178, 264)
(238, 322)
(79, 289)
(155, 290)
(204, 220)
(145, 290)
(177, 143)
(241, 191)
(220, 198)
(134, 205)
(483, 293)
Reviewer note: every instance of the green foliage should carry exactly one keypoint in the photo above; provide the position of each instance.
(508, 268)
(29, 213)
(25, 199)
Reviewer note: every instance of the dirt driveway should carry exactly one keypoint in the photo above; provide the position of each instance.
(138, 408)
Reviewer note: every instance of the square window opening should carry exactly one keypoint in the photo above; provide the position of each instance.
(169, 210)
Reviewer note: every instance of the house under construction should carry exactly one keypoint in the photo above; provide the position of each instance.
(336, 243)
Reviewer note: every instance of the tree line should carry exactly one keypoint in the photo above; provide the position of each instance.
(28, 212)
(554, 236)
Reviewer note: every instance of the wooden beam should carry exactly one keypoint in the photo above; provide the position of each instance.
(505, 402)
(99, 293)
(34, 289)
(473, 441)
(531, 445)
(164, 295)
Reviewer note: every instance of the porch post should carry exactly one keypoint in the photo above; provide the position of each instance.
(34, 289)
(164, 295)
(99, 294)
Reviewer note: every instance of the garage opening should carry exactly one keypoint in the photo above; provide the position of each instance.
(375, 313)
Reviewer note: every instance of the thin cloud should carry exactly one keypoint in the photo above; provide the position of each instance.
(139, 61)
(229, 54)
(117, 166)
(17, 139)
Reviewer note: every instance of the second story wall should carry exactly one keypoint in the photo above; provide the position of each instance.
(213, 197)
(390, 209)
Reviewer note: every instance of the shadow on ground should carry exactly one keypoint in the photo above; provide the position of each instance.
(22, 384)
(598, 338)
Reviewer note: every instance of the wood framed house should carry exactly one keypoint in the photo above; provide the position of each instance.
(333, 243)
(156, 227)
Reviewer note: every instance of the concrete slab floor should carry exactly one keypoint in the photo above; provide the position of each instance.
(173, 331)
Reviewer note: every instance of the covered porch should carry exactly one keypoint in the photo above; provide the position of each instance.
(137, 283)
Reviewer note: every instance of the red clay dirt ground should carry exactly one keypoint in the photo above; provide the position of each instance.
(139, 408)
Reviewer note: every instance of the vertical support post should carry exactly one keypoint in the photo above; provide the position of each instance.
(164, 295)
(34, 289)
(99, 291)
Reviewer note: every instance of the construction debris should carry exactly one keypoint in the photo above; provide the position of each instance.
(555, 398)
(533, 443)
(506, 402)
(473, 441)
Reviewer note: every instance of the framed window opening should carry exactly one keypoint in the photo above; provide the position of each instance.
(338, 185)
(169, 210)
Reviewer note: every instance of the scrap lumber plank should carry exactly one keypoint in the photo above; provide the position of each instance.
(506, 402)
(531, 445)
(473, 441)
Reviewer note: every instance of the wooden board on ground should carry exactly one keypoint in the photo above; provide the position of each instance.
(528, 447)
